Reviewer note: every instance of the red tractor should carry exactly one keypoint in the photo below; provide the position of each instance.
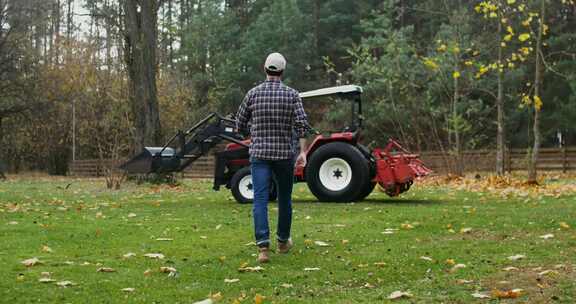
(339, 167)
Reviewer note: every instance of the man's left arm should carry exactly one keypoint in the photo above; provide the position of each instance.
(300, 119)
(302, 129)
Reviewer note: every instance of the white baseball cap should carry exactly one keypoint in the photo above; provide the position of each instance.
(275, 62)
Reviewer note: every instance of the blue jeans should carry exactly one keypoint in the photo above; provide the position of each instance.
(262, 172)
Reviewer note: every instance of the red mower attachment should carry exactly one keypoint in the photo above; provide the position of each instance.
(396, 168)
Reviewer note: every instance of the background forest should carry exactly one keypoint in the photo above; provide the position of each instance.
(101, 78)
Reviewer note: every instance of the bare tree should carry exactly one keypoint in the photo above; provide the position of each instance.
(140, 35)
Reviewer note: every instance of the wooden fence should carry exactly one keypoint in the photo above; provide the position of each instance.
(201, 168)
(550, 159)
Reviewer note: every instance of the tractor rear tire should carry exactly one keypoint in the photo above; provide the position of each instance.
(337, 172)
(369, 185)
(367, 189)
(241, 186)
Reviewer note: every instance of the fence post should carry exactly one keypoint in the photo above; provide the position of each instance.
(564, 160)
(508, 158)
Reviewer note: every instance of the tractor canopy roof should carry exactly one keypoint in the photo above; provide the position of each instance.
(340, 91)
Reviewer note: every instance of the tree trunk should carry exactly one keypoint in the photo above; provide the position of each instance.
(532, 171)
(500, 139)
(458, 169)
(141, 22)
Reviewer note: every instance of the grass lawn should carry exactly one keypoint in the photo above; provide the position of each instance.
(439, 244)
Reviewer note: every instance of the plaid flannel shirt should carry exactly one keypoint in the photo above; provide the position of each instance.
(271, 113)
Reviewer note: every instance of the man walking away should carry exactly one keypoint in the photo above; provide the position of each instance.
(270, 113)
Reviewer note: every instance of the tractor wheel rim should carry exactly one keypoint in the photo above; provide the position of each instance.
(245, 187)
(335, 174)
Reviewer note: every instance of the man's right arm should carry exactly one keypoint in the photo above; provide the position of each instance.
(243, 116)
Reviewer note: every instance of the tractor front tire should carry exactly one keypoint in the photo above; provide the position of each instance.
(242, 188)
(337, 172)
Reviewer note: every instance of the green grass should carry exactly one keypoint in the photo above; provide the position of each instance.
(88, 227)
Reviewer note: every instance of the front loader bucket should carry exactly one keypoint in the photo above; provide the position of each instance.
(152, 160)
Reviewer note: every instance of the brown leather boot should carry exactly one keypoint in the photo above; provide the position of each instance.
(263, 254)
(284, 247)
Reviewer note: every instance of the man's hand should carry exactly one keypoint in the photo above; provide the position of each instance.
(301, 160)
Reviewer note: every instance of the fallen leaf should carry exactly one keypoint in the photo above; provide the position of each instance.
(13, 223)
(251, 269)
(31, 262)
(258, 299)
(46, 249)
(547, 272)
(480, 295)
(105, 269)
(450, 262)
(399, 294)
(466, 230)
(407, 226)
(547, 236)
(167, 269)
(65, 283)
(507, 294)
(511, 268)
(154, 255)
(131, 214)
(462, 281)
(311, 269)
(203, 237)
(425, 258)
(218, 226)
(231, 280)
(321, 244)
(564, 225)
(207, 301)
(516, 257)
(345, 242)
(286, 285)
(379, 264)
(129, 255)
(216, 296)
(46, 280)
(457, 266)
(129, 289)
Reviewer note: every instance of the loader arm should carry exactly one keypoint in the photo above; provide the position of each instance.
(185, 147)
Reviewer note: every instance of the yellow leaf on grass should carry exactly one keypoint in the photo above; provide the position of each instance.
(406, 226)
(564, 225)
(258, 299)
(507, 294)
(456, 75)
